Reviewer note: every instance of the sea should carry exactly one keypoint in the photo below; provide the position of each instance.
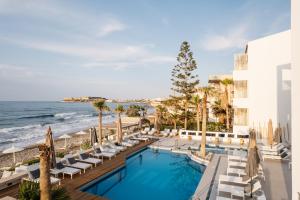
(24, 123)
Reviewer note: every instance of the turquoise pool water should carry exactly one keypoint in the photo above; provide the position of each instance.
(150, 175)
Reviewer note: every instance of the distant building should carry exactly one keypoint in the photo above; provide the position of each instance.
(262, 83)
(82, 99)
(214, 81)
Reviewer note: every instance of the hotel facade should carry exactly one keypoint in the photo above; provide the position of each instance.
(262, 85)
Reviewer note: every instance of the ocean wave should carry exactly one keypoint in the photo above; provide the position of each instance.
(36, 116)
(12, 129)
(64, 115)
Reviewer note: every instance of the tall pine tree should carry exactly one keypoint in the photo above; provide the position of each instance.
(184, 80)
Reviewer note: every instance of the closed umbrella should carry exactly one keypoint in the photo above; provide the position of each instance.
(65, 136)
(252, 138)
(253, 159)
(270, 133)
(50, 144)
(252, 165)
(93, 136)
(276, 138)
(13, 150)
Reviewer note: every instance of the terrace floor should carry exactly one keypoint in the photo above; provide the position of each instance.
(278, 184)
(73, 185)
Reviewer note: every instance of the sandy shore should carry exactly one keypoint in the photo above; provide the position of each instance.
(32, 151)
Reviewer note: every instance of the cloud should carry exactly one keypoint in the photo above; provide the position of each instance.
(110, 27)
(236, 37)
(8, 71)
(117, 56)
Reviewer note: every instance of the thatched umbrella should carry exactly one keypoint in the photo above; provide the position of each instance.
(252, 165)
(270, 133)
(93, 136)
(50, 143)
(277, 136)
(252, 138)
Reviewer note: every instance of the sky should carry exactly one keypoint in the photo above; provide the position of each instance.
(122, 49)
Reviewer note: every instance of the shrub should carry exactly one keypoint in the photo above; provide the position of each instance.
(32, 161)
(60, 193)
(60, 154)
(133, 111)
(86, 145)
(31, 191)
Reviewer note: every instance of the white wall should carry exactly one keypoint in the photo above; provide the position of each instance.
(269, 63)
(267, 57)
(295, 98)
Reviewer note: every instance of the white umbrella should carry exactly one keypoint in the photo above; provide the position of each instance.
(13, 150)
(65, 136)
(81, 133)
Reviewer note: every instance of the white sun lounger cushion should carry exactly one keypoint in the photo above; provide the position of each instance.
(234, 190)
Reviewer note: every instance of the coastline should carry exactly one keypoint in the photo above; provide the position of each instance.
(31, 151)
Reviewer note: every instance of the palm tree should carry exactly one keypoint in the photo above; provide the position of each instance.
(159, 114)
(174, 117)
(219, 111)
(197, 101)
(207, 91)
(45, 172)
(101, 106)
(226, 82)
(119, 109)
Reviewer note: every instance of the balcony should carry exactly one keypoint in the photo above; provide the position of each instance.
(240, 61)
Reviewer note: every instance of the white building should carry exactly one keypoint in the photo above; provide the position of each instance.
(262, 84)
(295, 28)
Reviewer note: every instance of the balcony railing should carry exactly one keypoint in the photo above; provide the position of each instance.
(241, 61)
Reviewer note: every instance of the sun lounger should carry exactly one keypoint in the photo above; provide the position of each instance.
(127, 144)
(140, 138)
(34, 176)
(237, 158)
(71, 162)
(152, 131)
(146, 130)
(105, 148)
(255, 187)
(233, 190)
(113, 146)
(12, 179)
(174, 132)
(232, 179)
(275, 147)
(100, 154)
(84, 157)
(134, 142)
(61, 169)
(222, 198)
(166, 132)
(232, 164)
(239, 172)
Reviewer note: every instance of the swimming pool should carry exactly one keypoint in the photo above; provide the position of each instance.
(150, 175)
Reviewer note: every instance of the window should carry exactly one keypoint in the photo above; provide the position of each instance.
(240, 89)
(231, 135)
(241, 116)
(241, 61)
(183, 133)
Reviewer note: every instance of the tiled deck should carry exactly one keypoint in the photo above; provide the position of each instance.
(278, 184)
(73, 185)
